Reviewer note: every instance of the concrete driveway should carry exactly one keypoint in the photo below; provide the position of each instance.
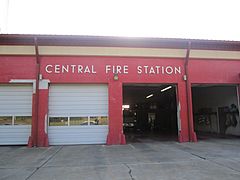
(209, 159)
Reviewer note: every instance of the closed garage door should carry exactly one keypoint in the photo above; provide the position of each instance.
(15, 114)
(78, 114)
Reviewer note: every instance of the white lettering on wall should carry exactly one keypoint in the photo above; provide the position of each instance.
(65, 68)
(116, 69)
(169, 70)
(177, 70)
(125, 69)
(93, 71)
(47, 68)
(57, 68)
(158, 70)
(107, 68)
(80, 67)
(73, 68)
(139, 69)
(112, 69)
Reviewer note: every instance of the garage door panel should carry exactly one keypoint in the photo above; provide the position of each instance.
(79, 97)
(14, 135)
(73, 94)
(17, 106)
(74, 129)
(84, 88)
(83, 110)
(81, 101)
(77, 141)
(81, 107)
(12, 93)
(16, 111)
(15, 101)
(73, 113)
(78, 135)
(14, 98)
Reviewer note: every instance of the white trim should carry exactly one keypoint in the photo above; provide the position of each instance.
(13, 120)
(22, 81)
(179, 116)
(43, 84)
(46, 123)
(68, 121)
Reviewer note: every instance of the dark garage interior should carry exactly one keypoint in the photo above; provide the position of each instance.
(215, 111)
(149, 111)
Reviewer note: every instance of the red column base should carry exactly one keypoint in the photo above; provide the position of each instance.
(185, 138)
(113, 139)
(182, 137)
(43, 141)
(193, 137)
(30, 142)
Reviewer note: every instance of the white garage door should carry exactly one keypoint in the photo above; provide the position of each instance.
(15, 114)
(78, 114)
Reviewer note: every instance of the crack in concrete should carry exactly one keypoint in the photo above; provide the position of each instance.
(222, 165)
(206, 159)
(129, 172)
(196, 155)
(48, 159)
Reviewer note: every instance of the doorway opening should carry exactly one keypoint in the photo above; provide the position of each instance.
(150, 112)
(215, 111)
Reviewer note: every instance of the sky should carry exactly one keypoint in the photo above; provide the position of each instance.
(194, 19)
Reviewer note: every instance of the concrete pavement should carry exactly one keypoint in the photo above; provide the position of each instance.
(142, 160)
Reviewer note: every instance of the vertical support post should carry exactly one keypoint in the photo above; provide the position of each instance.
(192, 134)
(32, 140)
(42, 140)
(238, 96)
(183, 125)
(115, 134)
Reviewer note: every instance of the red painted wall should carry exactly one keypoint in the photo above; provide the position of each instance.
(17, 67)
(214, 71)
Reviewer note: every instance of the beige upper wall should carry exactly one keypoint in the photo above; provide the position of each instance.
(17, 50)
(118, 51)
(111, 51)
(213, 54)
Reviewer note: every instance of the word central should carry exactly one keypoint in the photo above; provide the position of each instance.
(69, 68)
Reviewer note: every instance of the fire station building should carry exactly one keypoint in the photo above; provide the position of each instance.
(59, 90)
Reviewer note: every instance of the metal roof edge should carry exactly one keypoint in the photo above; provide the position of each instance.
(117, 41)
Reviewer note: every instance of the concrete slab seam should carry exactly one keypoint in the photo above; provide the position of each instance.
(54, 154)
